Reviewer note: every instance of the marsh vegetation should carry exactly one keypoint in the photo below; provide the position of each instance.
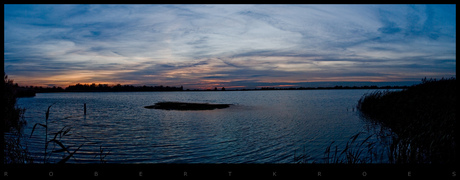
(422, 118)
(15, 148)
(12, 125)
(412, 126)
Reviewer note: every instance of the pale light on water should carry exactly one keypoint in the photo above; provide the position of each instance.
(260, 126)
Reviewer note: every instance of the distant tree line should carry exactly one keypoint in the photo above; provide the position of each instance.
(29, 91)
(118, 88)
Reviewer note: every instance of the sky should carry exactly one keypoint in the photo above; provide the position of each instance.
(231, 46)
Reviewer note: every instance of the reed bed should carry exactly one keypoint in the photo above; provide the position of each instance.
(422, 118)
(56, 140)
(353, 153)
(14, 152)
(416, 126)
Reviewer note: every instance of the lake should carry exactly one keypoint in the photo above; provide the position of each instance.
(260, 126)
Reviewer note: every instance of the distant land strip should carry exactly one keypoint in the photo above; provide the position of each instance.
(29, 91)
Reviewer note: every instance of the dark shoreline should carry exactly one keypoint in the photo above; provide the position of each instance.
(422, 117)
(32, 92)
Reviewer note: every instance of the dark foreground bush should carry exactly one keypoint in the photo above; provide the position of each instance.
(423, 118)
(12, 125)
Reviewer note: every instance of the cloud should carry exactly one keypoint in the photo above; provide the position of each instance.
(177, 44)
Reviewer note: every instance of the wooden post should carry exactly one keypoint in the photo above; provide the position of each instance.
(84, 105)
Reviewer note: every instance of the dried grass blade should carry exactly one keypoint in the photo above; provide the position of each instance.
(69, 156)
(33, 129)
(60, 144)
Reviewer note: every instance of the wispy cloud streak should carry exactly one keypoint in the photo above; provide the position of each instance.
(205, 45)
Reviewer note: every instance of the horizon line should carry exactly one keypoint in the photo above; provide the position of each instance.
(254, 86)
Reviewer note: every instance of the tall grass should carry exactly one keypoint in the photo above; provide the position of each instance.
(14, 152)
(56, 140)
(54, 143)
(354, 152)
(417, 126)
(361, 148)
(302, 157)
(102, 155)
(422, 118)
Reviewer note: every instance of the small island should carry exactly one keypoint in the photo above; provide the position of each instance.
(184, 106)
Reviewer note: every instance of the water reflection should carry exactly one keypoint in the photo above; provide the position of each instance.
(262, 126)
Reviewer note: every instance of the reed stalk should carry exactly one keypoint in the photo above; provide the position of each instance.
(56, 140)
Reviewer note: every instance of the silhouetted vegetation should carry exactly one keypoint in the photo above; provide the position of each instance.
(416, 126)
(12, 116)
(14, 150)
(20, 91)
(12, 125)
(39, 89)
(422, 117)
(29, 91)
(355, 152)
(56, 140)
(118, 88)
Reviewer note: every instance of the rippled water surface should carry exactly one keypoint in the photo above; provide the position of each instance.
(260, 127)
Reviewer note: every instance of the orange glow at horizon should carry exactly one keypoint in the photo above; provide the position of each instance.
(71, 78)
(195, 77)
(65, 81)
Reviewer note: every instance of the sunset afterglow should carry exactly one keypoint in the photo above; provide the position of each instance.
(231, 46)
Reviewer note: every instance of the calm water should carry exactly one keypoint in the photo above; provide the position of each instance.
(261, 127)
